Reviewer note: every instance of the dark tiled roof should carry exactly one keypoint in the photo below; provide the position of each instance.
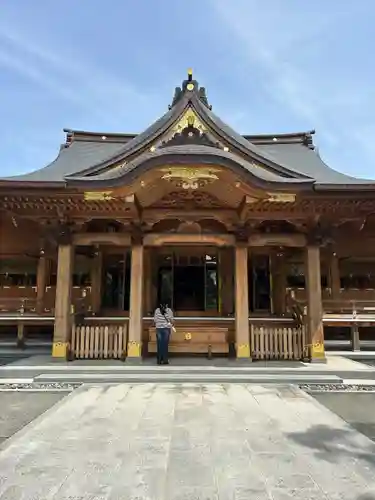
(78, 156)
(287, 158)
(81, 155)
(190, 153)
(306, 160)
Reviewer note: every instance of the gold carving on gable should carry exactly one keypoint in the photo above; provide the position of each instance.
(189, 119)
(190, 178)
(281, 197)
(188, 200)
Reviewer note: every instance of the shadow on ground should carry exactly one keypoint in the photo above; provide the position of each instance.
(330, 443)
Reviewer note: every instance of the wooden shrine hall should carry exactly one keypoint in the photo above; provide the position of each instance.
(260, 248)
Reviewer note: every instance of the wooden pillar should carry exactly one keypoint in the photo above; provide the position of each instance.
(41, 282)
(356, 345)
(136, 302)
(226, 281)
(63, 324)
(96, 282)
(242, 338)
(148, 302)
(334, 276)
(314, 303)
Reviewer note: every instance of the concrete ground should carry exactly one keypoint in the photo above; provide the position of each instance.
(17, 409)
(188, 442)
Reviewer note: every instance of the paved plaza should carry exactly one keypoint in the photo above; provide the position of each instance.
(188, 442)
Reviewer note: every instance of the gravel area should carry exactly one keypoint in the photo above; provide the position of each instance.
(34, 386)
(314, 388)
(18, 409)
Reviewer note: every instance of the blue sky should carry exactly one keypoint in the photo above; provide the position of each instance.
(268, 66)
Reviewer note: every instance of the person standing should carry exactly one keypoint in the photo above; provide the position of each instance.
(163, 319)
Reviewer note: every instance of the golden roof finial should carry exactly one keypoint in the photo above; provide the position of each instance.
(190, 72)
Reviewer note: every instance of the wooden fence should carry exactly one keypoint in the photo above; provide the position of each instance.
(270, 342)
(99, 342)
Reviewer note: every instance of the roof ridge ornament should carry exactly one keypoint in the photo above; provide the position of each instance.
(190, 86)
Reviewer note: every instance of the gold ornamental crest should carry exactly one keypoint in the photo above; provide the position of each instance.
(190, 178)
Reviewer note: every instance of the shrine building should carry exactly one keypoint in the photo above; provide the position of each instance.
(261, 249)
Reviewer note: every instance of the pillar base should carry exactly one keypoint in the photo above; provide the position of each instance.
(60, 349)
(134, 350)
(318, 354)
(243, 351)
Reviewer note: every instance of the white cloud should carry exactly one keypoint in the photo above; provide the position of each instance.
(68, 77)
(289, 50)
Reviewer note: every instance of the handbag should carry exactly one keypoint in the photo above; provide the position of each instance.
(173, 329)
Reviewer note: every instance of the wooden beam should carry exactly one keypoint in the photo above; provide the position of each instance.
(175, 213)
(277, 239)
(159, 239)
(87, 239)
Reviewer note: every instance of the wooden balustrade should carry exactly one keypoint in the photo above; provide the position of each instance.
(346, 295)
(278, 343)
(98, 342)
(19, 305)
(23, 300)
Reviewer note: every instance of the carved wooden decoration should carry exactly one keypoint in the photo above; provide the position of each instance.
(188, 199)
(190, 178)
(97, 195)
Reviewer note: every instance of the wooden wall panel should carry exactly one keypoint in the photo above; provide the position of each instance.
(25, 238)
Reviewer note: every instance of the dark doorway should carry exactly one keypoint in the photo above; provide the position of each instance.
(189, 288)
(116, 281)
(259, 281)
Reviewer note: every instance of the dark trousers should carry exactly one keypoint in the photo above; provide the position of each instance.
(162, 340)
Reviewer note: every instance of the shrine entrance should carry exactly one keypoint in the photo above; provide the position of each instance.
(188, 280)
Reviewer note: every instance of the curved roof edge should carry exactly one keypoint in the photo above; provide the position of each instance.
(185, 155)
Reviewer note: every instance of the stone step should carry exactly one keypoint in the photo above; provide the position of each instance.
(98, 368)
(170, 377)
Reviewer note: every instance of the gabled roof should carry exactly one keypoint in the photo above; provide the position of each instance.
(100, 159)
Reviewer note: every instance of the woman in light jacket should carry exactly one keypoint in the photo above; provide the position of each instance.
(163, 319)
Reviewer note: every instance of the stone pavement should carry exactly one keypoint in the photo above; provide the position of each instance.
(188, 442)
(19, 408)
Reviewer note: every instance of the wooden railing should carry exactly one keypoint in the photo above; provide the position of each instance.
(348, 306)
(20, 305)
(346, 297)
(98, 342)
(272, 342)
(29, 305)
